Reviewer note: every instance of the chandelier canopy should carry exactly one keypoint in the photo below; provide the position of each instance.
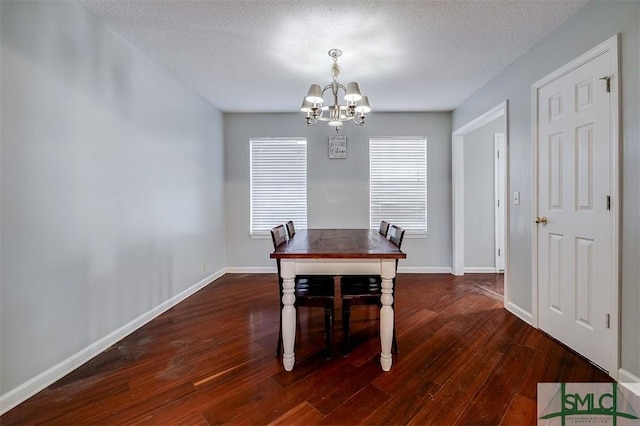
(355, 108)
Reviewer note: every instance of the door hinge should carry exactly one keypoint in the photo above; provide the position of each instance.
(499, 252)
(607, 78)
(498, 203)
(608, 321)
(608, 202)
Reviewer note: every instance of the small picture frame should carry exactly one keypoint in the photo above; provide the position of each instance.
(337, 147)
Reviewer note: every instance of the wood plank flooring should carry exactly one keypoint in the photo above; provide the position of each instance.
(463, 360)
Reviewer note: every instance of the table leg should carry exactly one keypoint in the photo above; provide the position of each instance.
(388, 270)
(288, 313)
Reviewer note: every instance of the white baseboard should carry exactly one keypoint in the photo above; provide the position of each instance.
(26, 390)
(480, 270)
(519, 312)
(629, 381)
(251, 270)
(424, 270)
(406, 270)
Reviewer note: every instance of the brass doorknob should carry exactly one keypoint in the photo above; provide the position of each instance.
(541, 220)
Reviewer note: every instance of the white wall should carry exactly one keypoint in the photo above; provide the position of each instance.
(111, 186)
(596, 22)
(338, 190)
(479, 199)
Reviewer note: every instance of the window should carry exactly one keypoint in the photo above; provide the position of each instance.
(398, 182)
(278, 183)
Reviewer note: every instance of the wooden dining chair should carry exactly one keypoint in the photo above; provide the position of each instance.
(309, 291)
(396, 235)
(384, 228)
(366, 290)
(291, 230)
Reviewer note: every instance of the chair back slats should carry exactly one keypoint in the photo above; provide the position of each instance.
(396, 234)
(384, 228)
(278, 236)
(291, 230)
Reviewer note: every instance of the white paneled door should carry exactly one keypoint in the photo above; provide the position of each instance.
(574, 220)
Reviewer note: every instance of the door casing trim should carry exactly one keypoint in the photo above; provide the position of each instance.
(457, 155)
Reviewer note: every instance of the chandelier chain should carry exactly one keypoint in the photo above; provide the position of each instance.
(335, 69)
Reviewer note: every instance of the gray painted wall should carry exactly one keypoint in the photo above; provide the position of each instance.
(111, 178)
(479, 190)
(595, 23)
(338, 190)
(111, 185)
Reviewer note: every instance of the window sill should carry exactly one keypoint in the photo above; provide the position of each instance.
(260, 236)
(416, 235)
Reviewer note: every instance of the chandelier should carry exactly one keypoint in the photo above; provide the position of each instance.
(355, 108)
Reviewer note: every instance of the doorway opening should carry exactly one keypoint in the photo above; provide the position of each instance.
(499, 172)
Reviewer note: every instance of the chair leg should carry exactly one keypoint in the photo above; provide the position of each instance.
(328, 327)
(346, 323)
(394, 344)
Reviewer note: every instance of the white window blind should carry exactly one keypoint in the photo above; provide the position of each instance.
(398, 182)
(278, 183)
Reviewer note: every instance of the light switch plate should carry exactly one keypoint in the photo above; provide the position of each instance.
(516, 198)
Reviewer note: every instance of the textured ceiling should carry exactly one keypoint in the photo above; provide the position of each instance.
(407, 55)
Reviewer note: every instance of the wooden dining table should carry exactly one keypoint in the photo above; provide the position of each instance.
(337, 252)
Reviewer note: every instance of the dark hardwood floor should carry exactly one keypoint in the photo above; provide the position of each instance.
(463, 360)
